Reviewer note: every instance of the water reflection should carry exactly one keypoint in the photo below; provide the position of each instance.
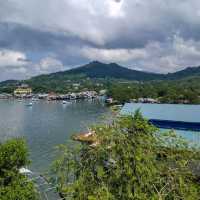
(46, 124)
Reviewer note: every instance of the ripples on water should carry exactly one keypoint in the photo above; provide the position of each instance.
(46, 124)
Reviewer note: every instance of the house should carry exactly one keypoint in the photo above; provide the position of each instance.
(52, 96)
(147, 100)
(42, 96)
(5, 96)
(102, 92)
(23, 90)
(109, 100)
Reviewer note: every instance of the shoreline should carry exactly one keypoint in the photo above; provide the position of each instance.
(93, 98)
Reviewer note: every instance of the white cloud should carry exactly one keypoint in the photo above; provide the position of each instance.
(189, 48)
(169, 56)
(19, 70)
(114, 55)
(48, 65)
(173, 55)
(115, 8)
(15, 65)
(12, 58)
(156, 35)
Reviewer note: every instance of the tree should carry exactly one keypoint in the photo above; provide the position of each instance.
(130, 160)
(13, 185)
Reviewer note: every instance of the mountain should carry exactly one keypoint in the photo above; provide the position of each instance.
(97, 69)
(8, 86)
(97, 72)
(12, 83)
(101, 70)
(185, 73)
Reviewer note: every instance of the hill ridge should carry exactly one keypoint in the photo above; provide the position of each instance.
(96, 69)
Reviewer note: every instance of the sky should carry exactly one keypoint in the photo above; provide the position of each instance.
(45, 36)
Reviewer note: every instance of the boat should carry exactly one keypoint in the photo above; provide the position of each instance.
(65, 102)
(24, 170)
(35, 99)
(29, 104)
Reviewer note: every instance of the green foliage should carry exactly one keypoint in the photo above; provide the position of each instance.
(131, 160)
(18, 189)
(101, 70)
(13, 155)
(13, 185)
(184, 91)
(122, 84)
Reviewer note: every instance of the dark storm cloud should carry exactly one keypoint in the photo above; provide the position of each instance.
(156, 35)
(24, 38)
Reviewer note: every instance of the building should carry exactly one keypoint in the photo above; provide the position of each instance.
(102, 92)
(5, 96)
(147, 100)
(168, 116)
(23, 90)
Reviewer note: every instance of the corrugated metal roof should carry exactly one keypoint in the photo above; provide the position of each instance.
(175, 112)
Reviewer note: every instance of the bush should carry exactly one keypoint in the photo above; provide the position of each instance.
(131, 160)
(13, 185)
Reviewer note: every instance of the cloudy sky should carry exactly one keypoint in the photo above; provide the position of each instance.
(43, 36)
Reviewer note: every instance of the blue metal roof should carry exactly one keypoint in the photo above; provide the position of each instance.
(173, 112)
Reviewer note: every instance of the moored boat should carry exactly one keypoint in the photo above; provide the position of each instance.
(29, 104)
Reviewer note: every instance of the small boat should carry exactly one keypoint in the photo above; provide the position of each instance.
(24, 170)
(64, 102)
(35, 99)
(29, 104)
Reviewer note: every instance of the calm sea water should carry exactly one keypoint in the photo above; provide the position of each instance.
(46, 125)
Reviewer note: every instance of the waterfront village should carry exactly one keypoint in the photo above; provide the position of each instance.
(24, 91)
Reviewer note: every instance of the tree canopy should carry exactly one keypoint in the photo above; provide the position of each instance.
(131, 160)
(13, 185)
(181, 91)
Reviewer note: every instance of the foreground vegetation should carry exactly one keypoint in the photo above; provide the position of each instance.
(13, 185)
(130, 160)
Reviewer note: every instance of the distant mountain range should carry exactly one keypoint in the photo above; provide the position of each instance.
(95, 70)
(101, 70)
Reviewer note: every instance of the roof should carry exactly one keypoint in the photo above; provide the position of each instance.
(175, 112)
